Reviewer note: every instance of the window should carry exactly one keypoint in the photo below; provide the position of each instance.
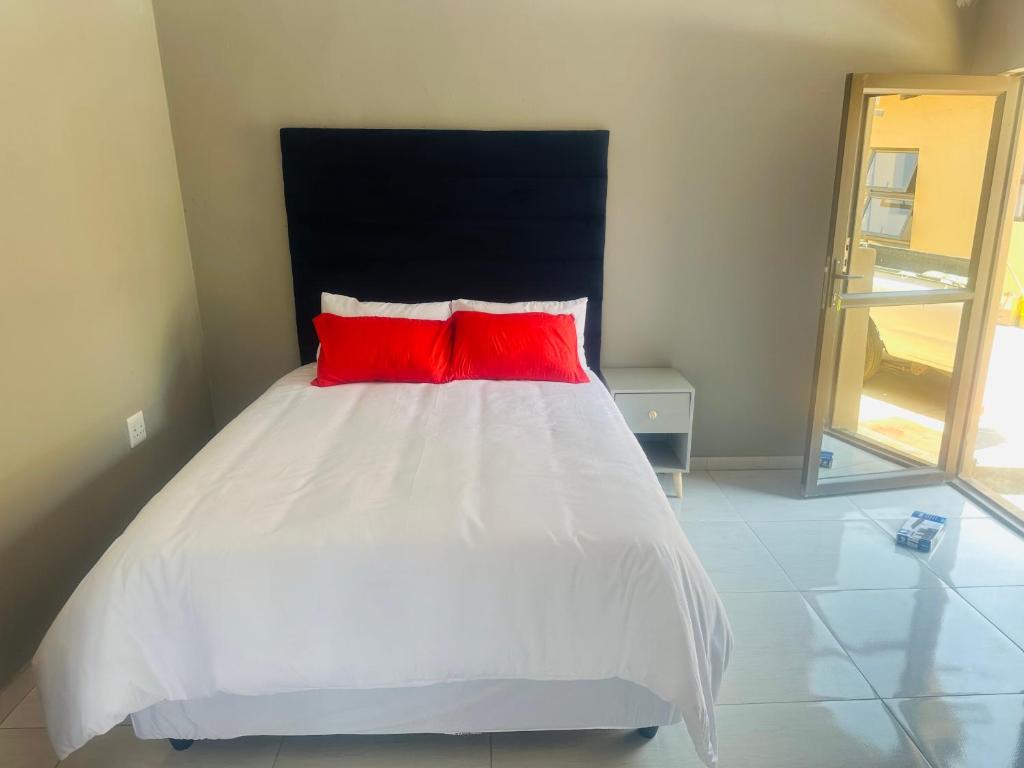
(888, 217)
(889, 207)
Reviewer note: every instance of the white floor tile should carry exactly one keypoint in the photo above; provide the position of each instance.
(974, 553)
(697, 487)
(776, 495)
(940, 500)
(28, 714)
(742, 486)
(697, 512)
(12, 694)
(927, 642)
(831, 508)
(1003, 606)
(384, 751)
(835, 734)
(842, 554)
(966, 731)
(702, 499)
(670, 748)
(26, 748)
(734, 559)
(120, 747)
(783, 652)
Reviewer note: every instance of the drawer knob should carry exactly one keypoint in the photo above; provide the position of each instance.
(652, 414)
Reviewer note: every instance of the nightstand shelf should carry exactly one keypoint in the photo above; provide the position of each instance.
(662, 455)
(657, 404)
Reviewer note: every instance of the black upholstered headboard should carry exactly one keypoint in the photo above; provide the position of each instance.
(421, 215)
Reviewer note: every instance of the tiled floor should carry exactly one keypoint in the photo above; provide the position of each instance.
(850, 652)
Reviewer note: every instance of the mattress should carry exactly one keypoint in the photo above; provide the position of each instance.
(393, 536)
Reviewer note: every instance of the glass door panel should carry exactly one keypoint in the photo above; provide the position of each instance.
(993, 460)
(924, 162)
(909, 243)
(893, 387)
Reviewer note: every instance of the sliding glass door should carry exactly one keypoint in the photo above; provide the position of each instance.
(905, 285)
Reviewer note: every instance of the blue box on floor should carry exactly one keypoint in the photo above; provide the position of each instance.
(921, 531)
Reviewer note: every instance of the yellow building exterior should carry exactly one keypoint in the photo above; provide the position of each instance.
(951, 136)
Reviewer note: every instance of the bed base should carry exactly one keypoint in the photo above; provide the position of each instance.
(180, 745)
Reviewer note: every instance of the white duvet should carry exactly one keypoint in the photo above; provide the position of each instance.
(394, 535)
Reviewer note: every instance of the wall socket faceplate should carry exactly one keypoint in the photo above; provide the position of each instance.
(136, 429)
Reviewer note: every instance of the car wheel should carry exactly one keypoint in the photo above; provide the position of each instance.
(873, 353)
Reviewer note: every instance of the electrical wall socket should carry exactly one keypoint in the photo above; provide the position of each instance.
(136, 429)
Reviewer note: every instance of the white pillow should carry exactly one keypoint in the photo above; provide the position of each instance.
(576, 307)
(346, 306)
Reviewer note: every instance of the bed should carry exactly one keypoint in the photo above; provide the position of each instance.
(392, 558)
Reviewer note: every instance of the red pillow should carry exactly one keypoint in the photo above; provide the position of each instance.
(381, 349)
(534, 346)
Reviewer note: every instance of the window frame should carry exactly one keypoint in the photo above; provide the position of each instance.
(884, 193)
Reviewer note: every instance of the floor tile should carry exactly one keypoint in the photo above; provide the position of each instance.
(926, 642)
(830, 508)
(834, 734)
(421, 751)
(26, 748)
(670, 748)
(1003, 606)
(974, 553)
(120, 747)
(783, 652)
(966, 731)
(17, 689)
(940, 500)
(776, 495)
(28, 714)
(734, 558)
(842, 554)
(686, 512)
(758, 485)
(698, 486)
(702, 499)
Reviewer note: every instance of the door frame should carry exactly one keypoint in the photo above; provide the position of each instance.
(1004, 214)
(853, 135)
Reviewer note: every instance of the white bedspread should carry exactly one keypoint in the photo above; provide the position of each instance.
(382, 535)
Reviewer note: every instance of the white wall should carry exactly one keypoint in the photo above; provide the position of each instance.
(724, 120)
(98, 309)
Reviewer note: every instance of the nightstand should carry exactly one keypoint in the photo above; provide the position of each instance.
(657, 404)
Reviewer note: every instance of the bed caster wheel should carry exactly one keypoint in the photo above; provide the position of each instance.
(648, 732)
(180, 745)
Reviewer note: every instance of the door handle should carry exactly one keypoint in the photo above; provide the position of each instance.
(843, 276)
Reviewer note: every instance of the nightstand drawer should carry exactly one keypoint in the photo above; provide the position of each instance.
(651, 412)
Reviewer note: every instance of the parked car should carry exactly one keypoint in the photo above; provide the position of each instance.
(921, 334)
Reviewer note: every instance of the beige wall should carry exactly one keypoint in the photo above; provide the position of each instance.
(98, 312)
(724, 120)
(997, 43)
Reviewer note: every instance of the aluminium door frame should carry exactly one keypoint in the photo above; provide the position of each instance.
(1003, 214)
(859, 89)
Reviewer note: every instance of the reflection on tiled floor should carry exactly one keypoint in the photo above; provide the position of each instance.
(850, 652)
(850, 461)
